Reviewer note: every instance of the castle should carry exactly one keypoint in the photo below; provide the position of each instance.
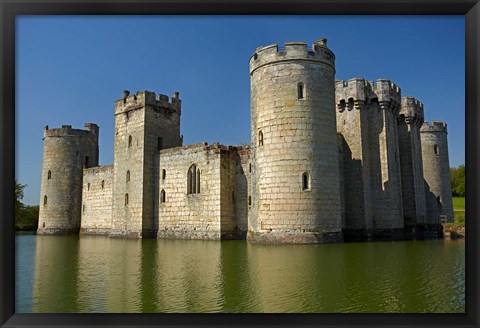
(329, 161)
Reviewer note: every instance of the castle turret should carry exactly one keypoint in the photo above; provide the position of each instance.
(144, 125)
(296, 189)
(436, 171)
(66, 152)
(413, 188)
(367, 116)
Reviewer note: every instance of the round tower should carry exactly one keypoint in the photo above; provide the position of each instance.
(436, 171)
(66, 152)
(295, 196)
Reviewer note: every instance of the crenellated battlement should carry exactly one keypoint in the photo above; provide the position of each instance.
(435, 126)
(412, 110)
(357, 91)
(161, 103)
(319, 52)
(91, 129)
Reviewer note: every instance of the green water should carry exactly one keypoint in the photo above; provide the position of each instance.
(100, 274)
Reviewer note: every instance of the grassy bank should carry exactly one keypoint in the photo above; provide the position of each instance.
(459, 211)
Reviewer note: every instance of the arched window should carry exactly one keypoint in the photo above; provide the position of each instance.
(305, 181)
(127, 178)
(49, 175)
(193, 180)
(250, 167)
(126, 199)
(45, 200)
(103, 183)
(162, 196)
(129, 141)
(435, 149)
(300, 91)
(88, 186)
(260, 138)
(249, 200)
(164, 174)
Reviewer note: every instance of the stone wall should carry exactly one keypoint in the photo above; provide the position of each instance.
(294, 135)
(97, 200)
(66, 152)
(436, 171)
(413, 189)
(144, 124)
(205, 212)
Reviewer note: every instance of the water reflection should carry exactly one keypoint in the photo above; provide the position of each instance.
(99, 274)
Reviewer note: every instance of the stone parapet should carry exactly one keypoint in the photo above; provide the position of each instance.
(292, 51)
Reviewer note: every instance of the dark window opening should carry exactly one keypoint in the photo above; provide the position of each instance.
(305, 181)
(260, 138)
(43, 224)
(45, 199)
(436, 150)
(49, 175)
(249, 200)
(162, 196)
(87, 158)
(249, 167)
(127, 179)
(88, 186)
(300, 91)
(164, 174)
(129, 141)
(126, 199)
(103, 183)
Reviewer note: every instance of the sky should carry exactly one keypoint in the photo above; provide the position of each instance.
(71, 69)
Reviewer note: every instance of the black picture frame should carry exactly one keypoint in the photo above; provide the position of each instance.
(10, 9)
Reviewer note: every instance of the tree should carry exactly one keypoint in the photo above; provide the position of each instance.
(18, 198)
(457, 178)
(26, 217)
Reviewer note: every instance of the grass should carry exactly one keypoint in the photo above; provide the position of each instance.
(459, 203)
(459, 210)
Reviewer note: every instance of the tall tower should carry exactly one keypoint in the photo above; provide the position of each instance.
(66, 152)
(367, 116)
(413, 186)
(436, 171)
(144, 124)
(296, 187)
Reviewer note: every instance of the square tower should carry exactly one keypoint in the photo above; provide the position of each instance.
(143, 126)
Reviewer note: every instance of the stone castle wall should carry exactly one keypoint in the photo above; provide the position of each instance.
(296, 196)
(66, 152)
(413, 186)
(97, 200)
(436, 170)
(328, 160)
(205, 210)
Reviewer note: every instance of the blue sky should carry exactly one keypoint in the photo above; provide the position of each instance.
(71, 69)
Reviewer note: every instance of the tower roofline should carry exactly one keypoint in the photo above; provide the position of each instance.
(319, 52)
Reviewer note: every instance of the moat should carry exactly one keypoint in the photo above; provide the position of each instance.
(101, 274)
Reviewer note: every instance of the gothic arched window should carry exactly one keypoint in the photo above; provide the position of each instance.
(193, 180)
